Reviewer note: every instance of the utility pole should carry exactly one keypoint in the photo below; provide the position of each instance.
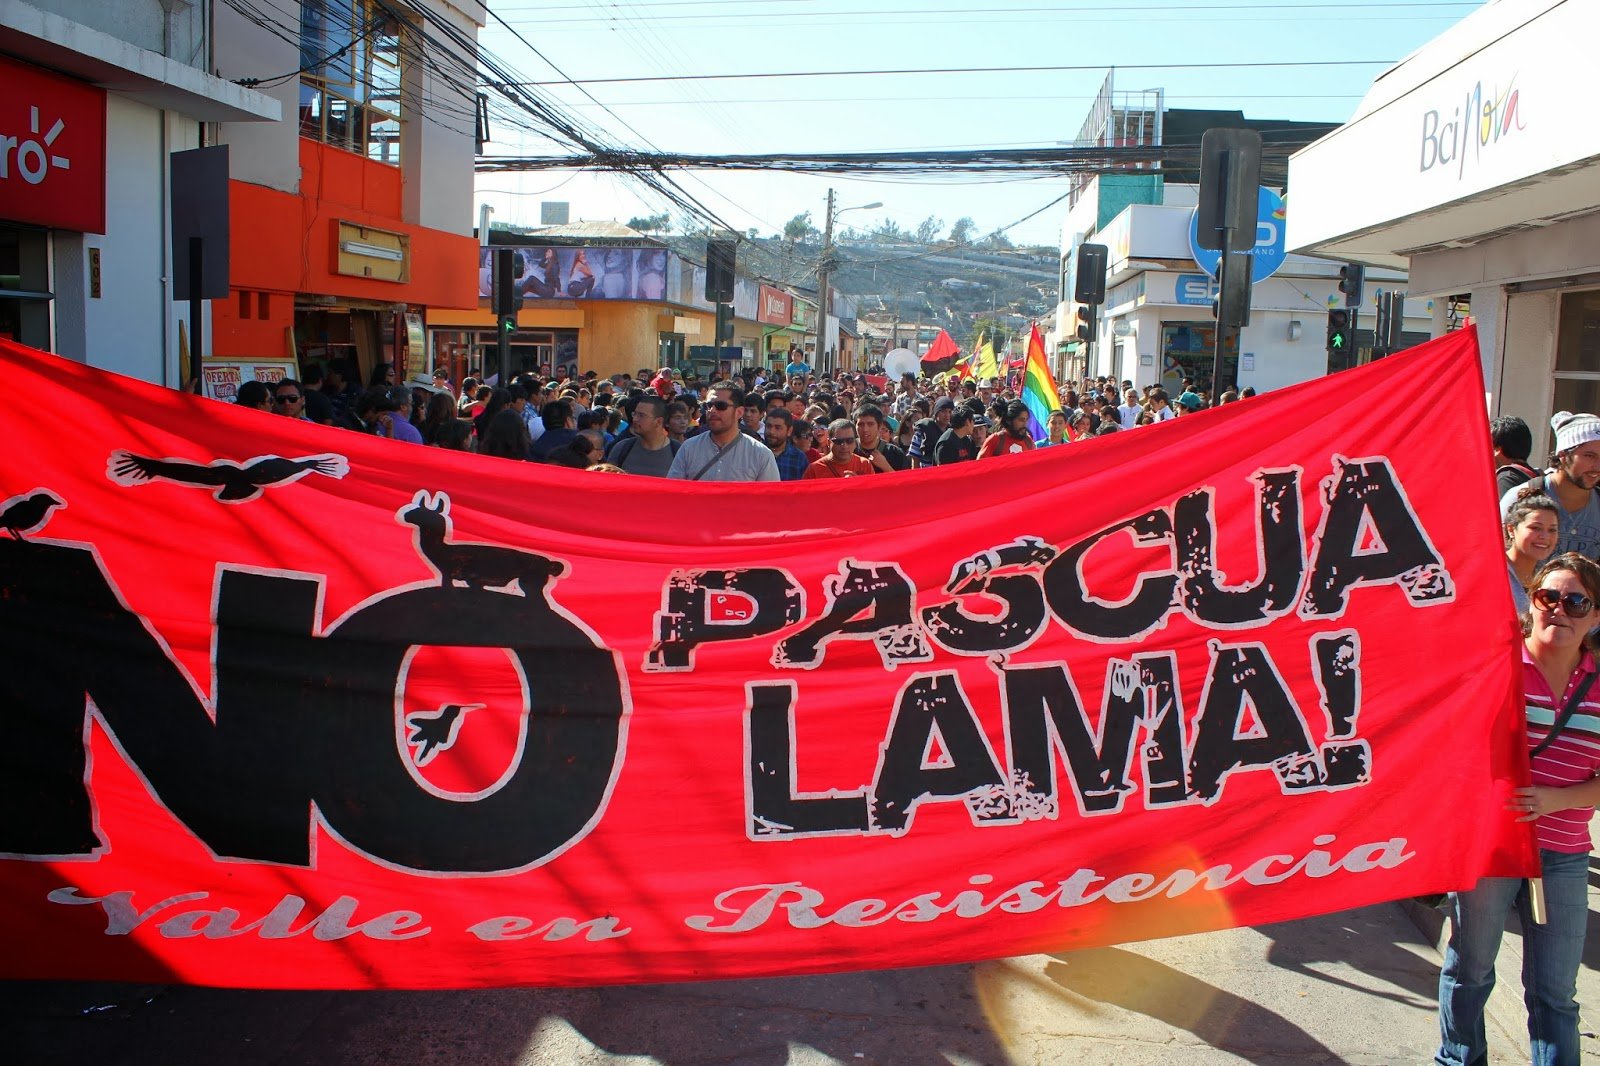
(823, 266)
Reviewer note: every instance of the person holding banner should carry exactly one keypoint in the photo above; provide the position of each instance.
(1563, 725)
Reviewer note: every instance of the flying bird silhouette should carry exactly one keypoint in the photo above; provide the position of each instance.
(28, 514)
(434, 731)
(232, 482)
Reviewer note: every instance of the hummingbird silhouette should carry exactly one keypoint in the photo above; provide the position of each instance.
(434, 731)
(28, 514)
(232, 482)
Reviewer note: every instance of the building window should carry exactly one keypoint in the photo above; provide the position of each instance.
(350, 85)
(1577, 375)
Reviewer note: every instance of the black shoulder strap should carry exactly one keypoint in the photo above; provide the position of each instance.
(624, 448)
(1566, 713)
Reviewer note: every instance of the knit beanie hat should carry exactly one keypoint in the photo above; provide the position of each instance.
(1573, 430)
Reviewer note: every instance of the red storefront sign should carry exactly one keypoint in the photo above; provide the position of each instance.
(775, 307)
(52, 149)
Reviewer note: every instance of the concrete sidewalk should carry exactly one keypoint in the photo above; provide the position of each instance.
(1354, 987)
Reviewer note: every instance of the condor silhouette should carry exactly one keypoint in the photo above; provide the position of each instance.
(232, 482)
(28, 514)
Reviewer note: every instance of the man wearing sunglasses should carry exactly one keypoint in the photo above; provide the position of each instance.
(289, 398)
(841, 460)
(723, 452)
(1572, 482)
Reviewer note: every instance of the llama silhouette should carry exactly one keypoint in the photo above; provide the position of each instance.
(484, 566)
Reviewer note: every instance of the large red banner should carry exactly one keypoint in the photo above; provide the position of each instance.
(290, 706)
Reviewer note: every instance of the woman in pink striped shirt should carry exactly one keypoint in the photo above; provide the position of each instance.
(1558, 669)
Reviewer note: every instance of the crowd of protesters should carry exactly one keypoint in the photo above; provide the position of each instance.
(803, 425)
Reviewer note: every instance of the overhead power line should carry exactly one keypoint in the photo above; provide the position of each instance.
(995, 161)
(971, 70)
(749, 12)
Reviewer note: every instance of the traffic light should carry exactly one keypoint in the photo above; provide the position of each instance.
(1341, 338)
(724, 323)
(508, 325)
(1351, 278)
(1086, 324)
(1091, 277)
(721, 254)
(507, 272)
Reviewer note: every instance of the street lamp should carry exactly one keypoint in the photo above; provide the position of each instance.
(823, 269)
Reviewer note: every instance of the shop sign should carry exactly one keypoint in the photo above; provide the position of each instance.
(1454, 138)
(1269, 251)
(52, 150)
(1194, 290)
(776, 307)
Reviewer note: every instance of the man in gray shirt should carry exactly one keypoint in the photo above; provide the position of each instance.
(1571, 483)
(723, 453)
(648, 450)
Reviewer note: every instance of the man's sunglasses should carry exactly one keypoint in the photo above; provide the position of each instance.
(286, 399)
(719, 405)
(1575, 604)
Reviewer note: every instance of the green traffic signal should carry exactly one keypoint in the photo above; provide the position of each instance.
(1338, 340)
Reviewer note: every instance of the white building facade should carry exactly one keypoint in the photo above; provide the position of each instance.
(1473, 163)
(85, 260)
(1156, 326)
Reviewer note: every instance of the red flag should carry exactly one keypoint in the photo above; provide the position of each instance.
(941, 350)
(291, 706)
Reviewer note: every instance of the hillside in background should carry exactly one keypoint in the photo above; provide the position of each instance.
(939, 282)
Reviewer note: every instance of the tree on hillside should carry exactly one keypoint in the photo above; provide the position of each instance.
(983, 326)
(928, 230)
(889, 230)
(997, 241)
(651, 223)
(799, 229)
(963, 230)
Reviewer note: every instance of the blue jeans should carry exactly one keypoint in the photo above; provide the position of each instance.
(1550, 959)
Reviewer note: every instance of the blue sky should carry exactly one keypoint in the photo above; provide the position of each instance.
(590, 39)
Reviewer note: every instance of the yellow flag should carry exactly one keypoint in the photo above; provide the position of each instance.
(986, 366)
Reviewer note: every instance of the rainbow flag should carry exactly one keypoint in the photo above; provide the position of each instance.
(1038, 386)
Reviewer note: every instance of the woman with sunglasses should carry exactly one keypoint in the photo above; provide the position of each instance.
(1558, 672)
(1532, 528)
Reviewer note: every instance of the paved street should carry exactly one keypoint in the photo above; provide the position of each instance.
(1353, 987)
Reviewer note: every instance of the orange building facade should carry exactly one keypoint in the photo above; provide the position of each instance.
(296, 295)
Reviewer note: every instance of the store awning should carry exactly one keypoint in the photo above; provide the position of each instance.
(1477, 134)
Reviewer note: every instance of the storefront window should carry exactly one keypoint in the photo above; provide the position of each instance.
(1577, 376)
(1188, 350)
(671, 350)
(350, 85)
(24, 286)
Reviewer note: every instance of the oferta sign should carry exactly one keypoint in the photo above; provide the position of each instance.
(52, 150)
